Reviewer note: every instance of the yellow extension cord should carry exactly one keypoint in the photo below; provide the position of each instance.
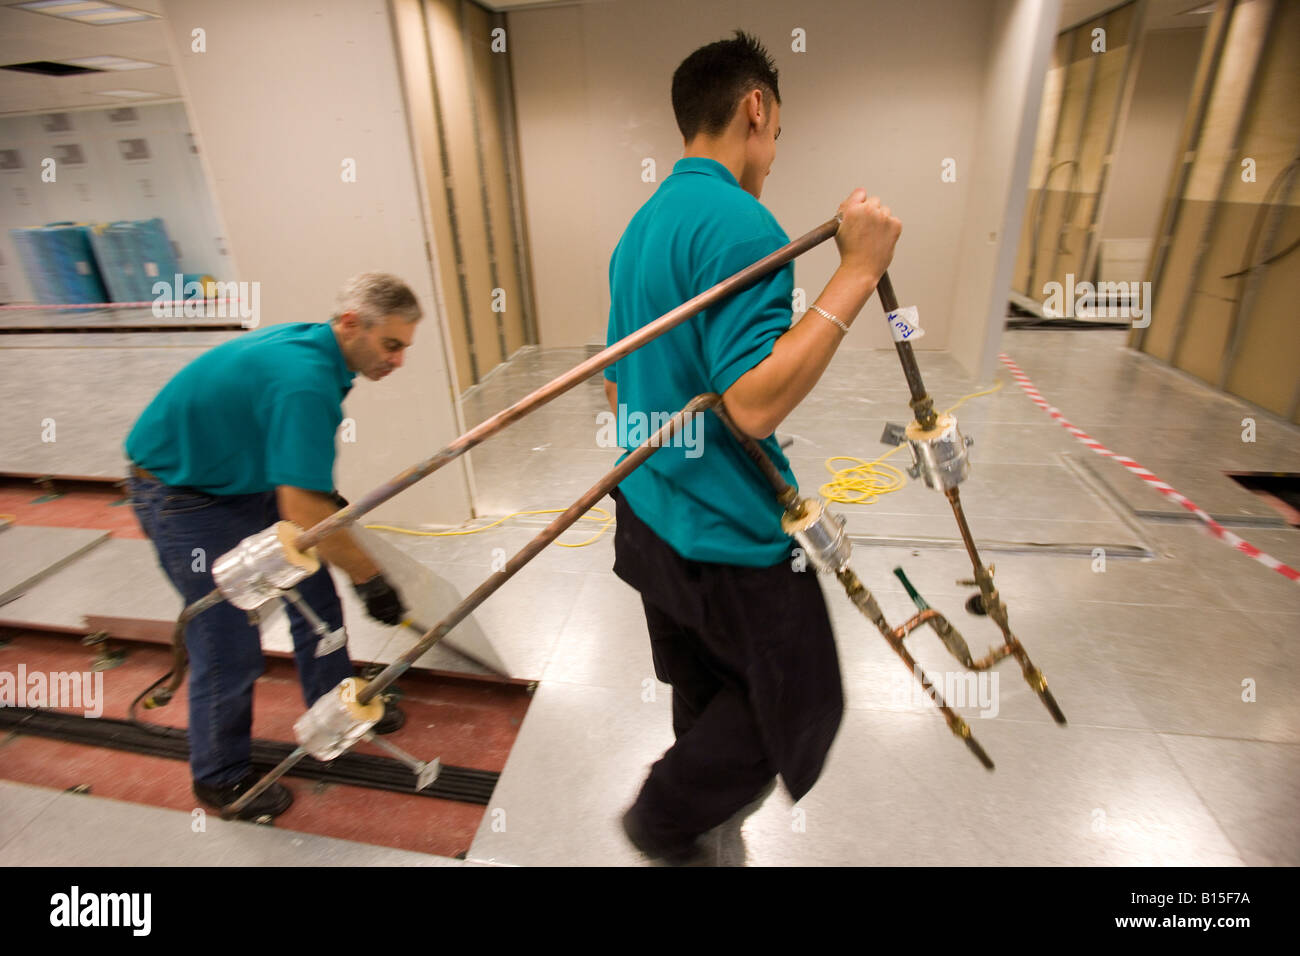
(609, 520)
(859, 484)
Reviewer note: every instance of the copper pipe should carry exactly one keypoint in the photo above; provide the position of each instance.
(954, 498)
(180, 656)
(997, 654)
(956, 723)
(997, 610)
(922, 404)
(786, 493)
(927, 616)
(993, 605)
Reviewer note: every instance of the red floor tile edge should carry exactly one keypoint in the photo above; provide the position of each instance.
(465, 722)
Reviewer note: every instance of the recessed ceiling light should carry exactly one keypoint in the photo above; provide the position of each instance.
(110, 63)
(94, 12)
(128, 94)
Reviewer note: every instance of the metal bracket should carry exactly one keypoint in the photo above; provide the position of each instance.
(328, 640)
(895, 433)
(425, 773)
(108, 656)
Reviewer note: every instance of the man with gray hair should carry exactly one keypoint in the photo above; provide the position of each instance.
(239, 439)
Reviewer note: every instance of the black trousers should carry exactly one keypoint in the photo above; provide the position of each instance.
(756, 679)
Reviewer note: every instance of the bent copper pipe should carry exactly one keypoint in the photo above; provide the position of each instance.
(180, 657)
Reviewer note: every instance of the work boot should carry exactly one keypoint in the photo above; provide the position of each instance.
(271, 802)
(689, 853)
(394, 717)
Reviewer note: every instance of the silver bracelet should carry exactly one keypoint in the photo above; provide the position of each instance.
(818, 308)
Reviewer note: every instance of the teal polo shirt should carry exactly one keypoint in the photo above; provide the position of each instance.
(251, 414)
(709, 502)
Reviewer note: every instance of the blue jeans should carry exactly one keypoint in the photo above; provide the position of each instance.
(189, 530)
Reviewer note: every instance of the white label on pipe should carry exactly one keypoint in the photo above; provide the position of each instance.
(905, 324)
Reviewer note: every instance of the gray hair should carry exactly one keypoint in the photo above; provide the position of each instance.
(374, 295)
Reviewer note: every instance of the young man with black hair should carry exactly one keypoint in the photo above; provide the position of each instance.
(742, 636)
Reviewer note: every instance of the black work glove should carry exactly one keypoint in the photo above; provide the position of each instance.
(382, 602)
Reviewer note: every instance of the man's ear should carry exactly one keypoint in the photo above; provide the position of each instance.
(755, 108)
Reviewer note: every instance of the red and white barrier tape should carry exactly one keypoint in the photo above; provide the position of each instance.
(112, 305)
(1218, 530)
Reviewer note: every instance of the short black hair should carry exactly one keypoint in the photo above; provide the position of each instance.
(711, 81)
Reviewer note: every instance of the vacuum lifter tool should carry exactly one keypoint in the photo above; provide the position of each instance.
(263, 566)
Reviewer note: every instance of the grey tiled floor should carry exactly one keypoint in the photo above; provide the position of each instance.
(1147, 657)
(42, 827)
(1163, 762)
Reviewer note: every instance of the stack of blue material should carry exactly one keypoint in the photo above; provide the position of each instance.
(59, 263)
(132, 257)
(114, 245)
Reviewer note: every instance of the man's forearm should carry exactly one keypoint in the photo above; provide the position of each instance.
(761, 398)
(305, 508)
